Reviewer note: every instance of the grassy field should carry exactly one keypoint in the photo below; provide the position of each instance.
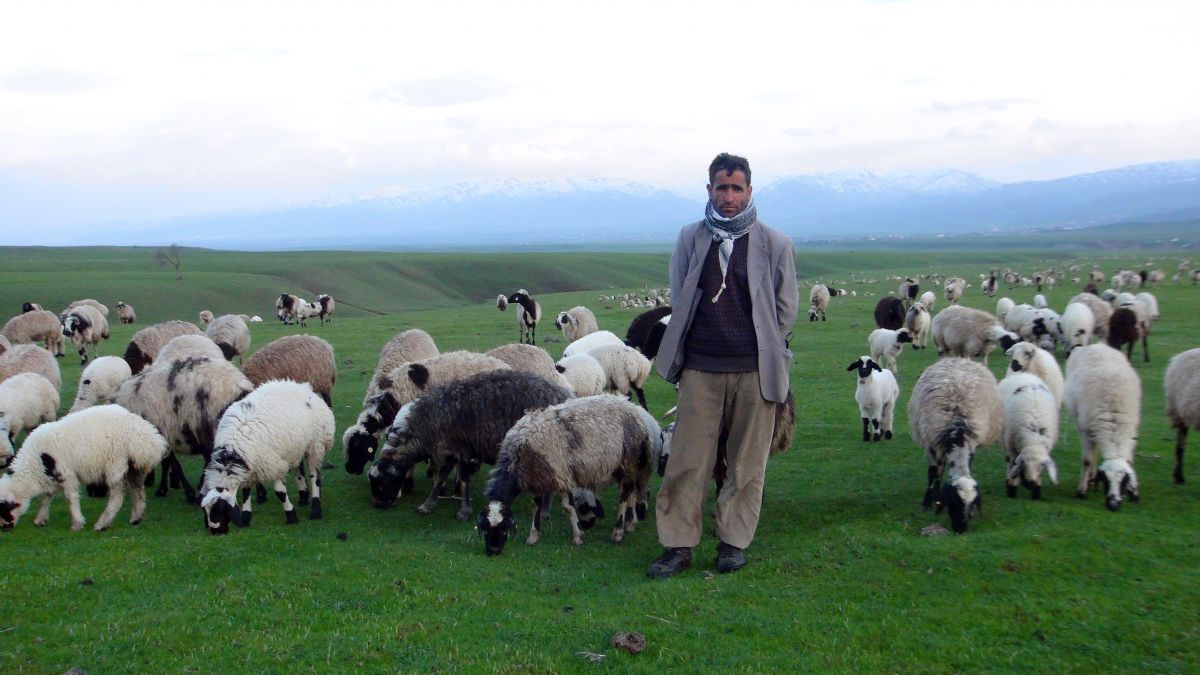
(839, 577)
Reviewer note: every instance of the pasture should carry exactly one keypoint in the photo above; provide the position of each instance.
(839, 577)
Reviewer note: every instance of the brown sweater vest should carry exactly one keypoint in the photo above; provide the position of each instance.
(721, 338)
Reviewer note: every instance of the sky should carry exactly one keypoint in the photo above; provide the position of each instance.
(131, 110)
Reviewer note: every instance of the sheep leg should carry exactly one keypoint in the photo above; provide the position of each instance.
(933, 481)
(866, 429)
(314, 481)
(463, 487)
(439, 484)
(136, 484)
(289, 511)
(640, 394)
(576, 533)
(1088, 476)
(260, 491)
(541, 507)
(1145, 350)
(1181, 432)
(301, 486)
(875, 436)
(247, 509)
(83, 358)
(43, 515)
(889, 409)
(70, 488)
(116, 497)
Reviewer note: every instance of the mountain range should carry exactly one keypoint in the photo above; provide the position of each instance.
(847, 204)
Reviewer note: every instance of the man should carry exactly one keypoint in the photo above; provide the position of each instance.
(733, 289)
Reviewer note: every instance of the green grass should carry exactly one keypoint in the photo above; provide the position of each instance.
(839, 578)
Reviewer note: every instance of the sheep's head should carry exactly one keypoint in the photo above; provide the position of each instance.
(1119, 479)
(220, 509)
(903, 336)
(360, 448)
(11, 508)
(961, 498)
(1029, 473)
(588, 508)
(387, 481)
(864, 365)
(561, 320)
(495, 524)
(1021, 354)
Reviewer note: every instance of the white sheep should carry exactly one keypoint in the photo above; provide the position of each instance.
(502, 302)
(576, 322)
(1101, 311)
(36, 326)
(591, 341)
(625, 368)
(30, 359)
(1182, 385)
(818, 302)
(963, 331)
(95, 304)
(99, 382)
(1076, 326)
(231, 334)
(954, 289)
(917, 321)
(876, 394)
(928, 298)
(1027, 358)
(1039, 301)
(1104, 395)
(84, 325)
(583, 373)
(1003, 307)
(26, 400)
(886, 345)
(1030, 430)
(206, 317)
(281, 426)
(102, 445)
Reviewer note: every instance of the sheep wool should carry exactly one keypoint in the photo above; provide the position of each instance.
(592, 340)
(100, 381)
(576, 322)
(26, 400)
(30, 359)
(231, 334)
(146, 343)
(969, 333)
(36, 326)
(1182, 384)
(1104, 397)
(410, 345)
(583, 373)
(1027, 358)
(300, 358)
(1030, 430)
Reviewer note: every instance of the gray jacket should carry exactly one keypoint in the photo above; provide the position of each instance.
(774, 298)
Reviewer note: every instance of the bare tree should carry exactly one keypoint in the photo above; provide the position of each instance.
(173, 256)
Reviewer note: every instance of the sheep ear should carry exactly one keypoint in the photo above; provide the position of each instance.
(1015, 469)
(1052, 471)
(419, 375)
(874, 366)
(852, 366)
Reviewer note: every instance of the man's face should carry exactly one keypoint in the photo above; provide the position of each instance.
(730, 193)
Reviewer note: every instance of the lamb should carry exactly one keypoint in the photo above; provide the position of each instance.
(326, 304)
(189, 345)
(626, 368)
(886, 345)
(954, 288)
(410, 345)
(954, 409)
(1102, 311)
(1104, 397)
(1124, 329)
(529, 313)
(576, 322)
(299, 358)
(530, 359)
(1076, 326)
(103, 445)
(917, 322)
(1030, 429)
(583, 373)
(970, 333)
(100, 381)
(95, 304)
(231, 334)
(460, 423)
(404, 384)
(889, 313)
(1027, 358)
(591, 341)
(85, 325)
(280, 427)
(1182, 385)
(206, 317)
(818, 299)
(30, 359)
(146, 343)
(26, 400)
(928, 299)
(582, 445)
(126, 313)
(646, 330)
(876, 394)
(36, 326)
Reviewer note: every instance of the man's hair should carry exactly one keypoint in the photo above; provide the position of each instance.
(728, 163)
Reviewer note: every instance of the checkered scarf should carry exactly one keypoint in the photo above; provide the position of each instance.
(725, 231)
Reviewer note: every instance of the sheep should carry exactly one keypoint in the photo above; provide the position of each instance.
(1076, 326)
(582, 445)
(625, 368)
(576, 322)
(100, 381)
(989, 285)
(1039, 301)
(85, 325)
(646, 330)
(30, 307)
(26, 400)
(95, 304)
(954, 288)
(1124, 329)
(1104, 397)
(1101, 311)
(1155, 277)
(300, 358)
(460, 423)
(889, 313)
(231, 334)
(206, 317)
(1030, 429)
(1003, 307)
(281, 426)
(876, 394)
(917, 322)
(326, 304)
(126, 313)
(530, 359)
(410, 345)
(954, 409)
(909, 291)
(928, 298)
(286, 306)
(502, 302)
(103, 445)
(146, 343)
(818, 299)
(403, 384)
(1150, 303)
(963, 331)
(591, 341)
(583, 373)
(189, 345)
(886, 345)
(36, 326)
(304, 310)
(30, 359)
(1182, 385)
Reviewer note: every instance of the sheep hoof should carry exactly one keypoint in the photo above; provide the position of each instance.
(866, 438)
(291, 517)
(876, 438)
(578, 541)
(464, 515)
(100, 527)
(1011, 491)
(1080, 494)
(887, 435)
(40, 522)
(533, 538)
(303, 500)
(1135, 497)
(135, 523)
(425, 509)
(75, 527)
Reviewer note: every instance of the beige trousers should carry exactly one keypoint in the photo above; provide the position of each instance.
(709, 402)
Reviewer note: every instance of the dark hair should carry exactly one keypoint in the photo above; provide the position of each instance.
(728, 163)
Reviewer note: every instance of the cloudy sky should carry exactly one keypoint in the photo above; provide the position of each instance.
(115, 110)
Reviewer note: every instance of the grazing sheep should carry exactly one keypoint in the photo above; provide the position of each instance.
(1102, 311)
(1104, 397)
(100, 381)
(126, 313)
(583, 374)
(26, 400)
(1076, 326)
(1027, 358)
(231, 334)
(582, 445)
(84, 325)
(457, 424)
(410, 345)
(889, 313)
(30, 359)
(1182, 384)
(970, 333)
(591, 341)
(625, 367)
(530, 359)
(954, 409)
(206, 317)
(1030, 429)
(325, 304)
(1124, 329)
(299, 358)
(36, 326)
(646, 330)
(146, 343)
(529, 313)
(286, 306)
(886, 345)
(95, 304)
(876, 394)
(103, 445)
(818, 299)
(954, 289)
(917, 322)
(928, 298)
(576, 322)
(502, 302)
(281, 426)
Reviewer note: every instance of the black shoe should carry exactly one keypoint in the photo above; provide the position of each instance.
(729, 558)
(671, 561)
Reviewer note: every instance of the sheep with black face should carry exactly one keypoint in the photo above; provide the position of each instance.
(876, 394)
